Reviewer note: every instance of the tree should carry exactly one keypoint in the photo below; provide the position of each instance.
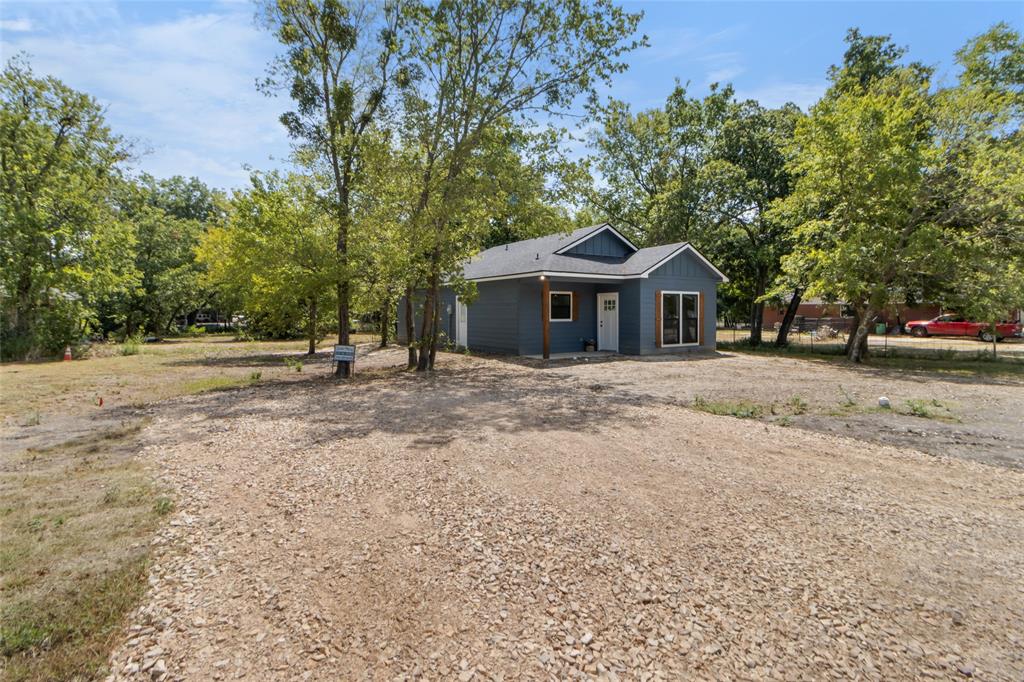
(650, 165)
(169, 216)
(981, 178)
(745, 174)
(699, 170)
(62, 246)
(275, 255)
(904, 189)
(337, 66)
(477, 65)
(861, 164)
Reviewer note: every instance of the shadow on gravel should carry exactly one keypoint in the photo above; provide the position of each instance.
(583, 359)
(451, 401)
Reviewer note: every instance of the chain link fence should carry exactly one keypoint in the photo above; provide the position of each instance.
(831, 339)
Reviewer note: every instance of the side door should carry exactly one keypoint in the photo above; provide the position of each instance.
(608, 322)
(461, 323)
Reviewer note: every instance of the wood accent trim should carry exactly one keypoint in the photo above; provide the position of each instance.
(657, 318)
(575, 306)
(700, 318)
(545, 315)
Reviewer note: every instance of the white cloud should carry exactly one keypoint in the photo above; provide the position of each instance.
(669, 44)
(16, 25)
(776, 94)
(183, 86)
(722, 67)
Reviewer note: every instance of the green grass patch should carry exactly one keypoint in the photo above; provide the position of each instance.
(76, 522)
(744, 409)
(926, 409)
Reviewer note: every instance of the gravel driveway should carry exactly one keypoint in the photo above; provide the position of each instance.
(500, 521)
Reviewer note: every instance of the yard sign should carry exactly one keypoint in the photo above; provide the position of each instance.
(345, 354)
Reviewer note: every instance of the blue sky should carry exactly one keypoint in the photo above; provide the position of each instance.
(178, 77)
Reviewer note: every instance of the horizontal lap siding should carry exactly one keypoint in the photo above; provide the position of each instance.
(685, 272)
(493, 317)
(565, 336)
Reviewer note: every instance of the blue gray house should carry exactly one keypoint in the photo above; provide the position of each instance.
(553, 294)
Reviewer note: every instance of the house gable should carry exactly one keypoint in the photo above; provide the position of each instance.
(605, 242)
(689, 263)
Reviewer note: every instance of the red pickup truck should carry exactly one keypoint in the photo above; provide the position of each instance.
(953, 325)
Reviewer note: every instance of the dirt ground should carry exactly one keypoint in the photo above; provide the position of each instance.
(504, 520)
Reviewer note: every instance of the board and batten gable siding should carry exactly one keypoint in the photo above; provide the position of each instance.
(493, 317)
(605, 244)
(565, 336)
(685, 272)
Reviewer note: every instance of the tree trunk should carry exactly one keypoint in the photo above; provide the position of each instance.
(385, 322)
(857, 346)
(344, 369)
(410, 329)
(426, 328)
(430, 316)
(756, 322)
(311, 330)
(782, 339)
(436, 326)
(757, 311)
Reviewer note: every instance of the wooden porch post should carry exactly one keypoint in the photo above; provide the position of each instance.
(545, 313)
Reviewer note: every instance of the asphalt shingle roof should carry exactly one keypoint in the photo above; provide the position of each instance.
(535, 255)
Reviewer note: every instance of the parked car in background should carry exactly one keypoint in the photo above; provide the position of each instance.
(954, 325)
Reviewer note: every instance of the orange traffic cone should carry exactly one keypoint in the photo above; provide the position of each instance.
(67, 354)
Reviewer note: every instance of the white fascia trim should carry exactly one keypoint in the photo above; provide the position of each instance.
(685, 247)
(546, 273)
(606, 226)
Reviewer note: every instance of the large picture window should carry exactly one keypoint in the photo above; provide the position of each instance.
(561, 306)
(680, 318)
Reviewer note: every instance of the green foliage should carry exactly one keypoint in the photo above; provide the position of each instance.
(455, 127)
(906, 191)
(699, 170)
(131, 345)
(163, 506)
(170, 216)
(275, 255)
(63, 247)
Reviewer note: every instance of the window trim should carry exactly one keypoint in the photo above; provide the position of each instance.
(551, 307)
(700, 318)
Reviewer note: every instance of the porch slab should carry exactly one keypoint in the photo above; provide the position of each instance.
(581, 355)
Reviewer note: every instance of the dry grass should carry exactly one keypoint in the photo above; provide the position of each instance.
(30, 391)
(76, 522)
(77, 518)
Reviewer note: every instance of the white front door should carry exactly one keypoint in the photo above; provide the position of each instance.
(608, 322)
(461, 323)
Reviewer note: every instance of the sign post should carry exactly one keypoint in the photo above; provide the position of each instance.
(344, 354)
